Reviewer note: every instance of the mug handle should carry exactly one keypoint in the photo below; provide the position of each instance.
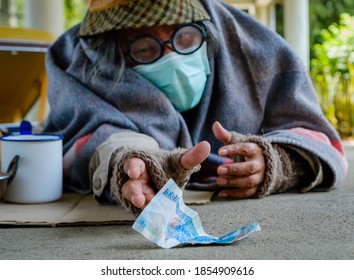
(12, 169)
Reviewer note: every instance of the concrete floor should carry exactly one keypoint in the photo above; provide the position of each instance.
(294, 226)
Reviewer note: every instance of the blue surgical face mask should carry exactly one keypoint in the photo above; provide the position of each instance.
(181, 78)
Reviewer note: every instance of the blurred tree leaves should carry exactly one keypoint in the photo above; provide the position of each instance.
(74, 12)
(332, 71)
(323, 13)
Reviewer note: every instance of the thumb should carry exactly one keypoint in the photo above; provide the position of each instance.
(195, 155)
(221, 133)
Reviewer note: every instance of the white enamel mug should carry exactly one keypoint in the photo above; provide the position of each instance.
(39, 175)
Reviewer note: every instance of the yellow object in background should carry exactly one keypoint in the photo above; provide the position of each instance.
(23, 80)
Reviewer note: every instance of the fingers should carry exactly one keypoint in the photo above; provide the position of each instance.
(195, 155)
(245, 176)
(132, 190)
(221, 133)
(240, 169)
(138, 193)
(247, 150)
(137, 189)
(245, 182)
(134, 168)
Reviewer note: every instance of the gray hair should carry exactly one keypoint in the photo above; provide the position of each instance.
(108, 48)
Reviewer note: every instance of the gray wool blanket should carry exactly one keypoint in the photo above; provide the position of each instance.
(257, 86)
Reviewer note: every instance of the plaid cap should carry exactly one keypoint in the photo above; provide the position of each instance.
(106, 15)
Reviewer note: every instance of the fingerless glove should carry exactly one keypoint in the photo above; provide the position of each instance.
(161, 165)
(284, 168)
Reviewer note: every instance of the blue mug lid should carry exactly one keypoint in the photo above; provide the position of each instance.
(25, 127)
(27, 136)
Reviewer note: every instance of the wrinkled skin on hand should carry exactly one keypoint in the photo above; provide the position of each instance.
(244, 176)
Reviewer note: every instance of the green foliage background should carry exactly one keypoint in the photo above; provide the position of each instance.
(332, 72)
(74, 12)
(323, 13)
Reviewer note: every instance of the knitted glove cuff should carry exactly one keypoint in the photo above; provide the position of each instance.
(161, 166)
(282, 169)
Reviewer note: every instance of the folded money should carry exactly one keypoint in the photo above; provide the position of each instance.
(168, 222)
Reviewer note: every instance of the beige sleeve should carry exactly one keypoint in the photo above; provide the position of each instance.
(99, 164)
(315, 165)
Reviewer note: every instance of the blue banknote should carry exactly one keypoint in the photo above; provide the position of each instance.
(168, 222)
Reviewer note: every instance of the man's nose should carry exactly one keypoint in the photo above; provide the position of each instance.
(167, 49)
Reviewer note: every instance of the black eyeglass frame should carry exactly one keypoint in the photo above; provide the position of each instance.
(199, 26)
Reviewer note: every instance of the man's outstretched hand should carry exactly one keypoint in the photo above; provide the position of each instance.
(138, 189)
(244, 176)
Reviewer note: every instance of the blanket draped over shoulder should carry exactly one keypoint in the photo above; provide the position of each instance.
(257, 86)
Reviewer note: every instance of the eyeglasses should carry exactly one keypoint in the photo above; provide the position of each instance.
(186, 39)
